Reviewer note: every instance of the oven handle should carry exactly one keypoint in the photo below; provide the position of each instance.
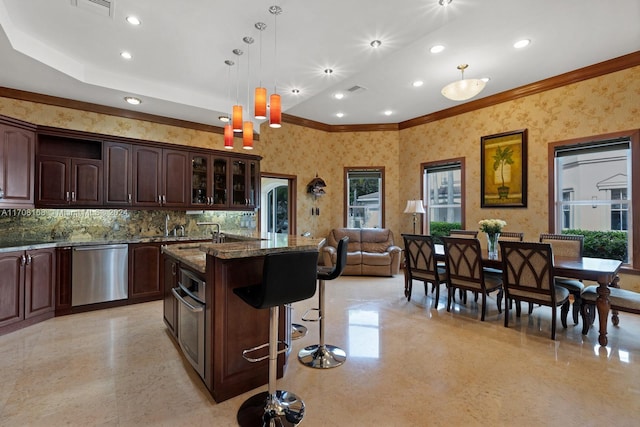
(188, 292)
(190, 306)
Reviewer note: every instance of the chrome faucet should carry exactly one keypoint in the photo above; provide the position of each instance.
(166, 225)
(216, 236)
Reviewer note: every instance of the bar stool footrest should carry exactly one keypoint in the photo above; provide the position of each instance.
(260, 347)
(305, 316)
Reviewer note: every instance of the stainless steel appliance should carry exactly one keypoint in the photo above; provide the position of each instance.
(99, 274)
(191, 328)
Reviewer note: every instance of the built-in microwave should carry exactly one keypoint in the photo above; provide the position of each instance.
(191, 311)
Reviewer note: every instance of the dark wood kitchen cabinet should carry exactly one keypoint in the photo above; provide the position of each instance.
(144, 272)
(170, 269)
(160, 177)
(118, 176)
(245, 183)
(27, 288)
(68, 170)
(209, 180)
(63, 181)
(17, 155)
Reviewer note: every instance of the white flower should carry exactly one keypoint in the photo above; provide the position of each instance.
(492, 225)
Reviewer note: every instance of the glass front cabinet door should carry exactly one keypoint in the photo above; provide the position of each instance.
(245, 175)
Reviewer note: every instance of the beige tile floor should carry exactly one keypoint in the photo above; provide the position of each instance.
(408, 365)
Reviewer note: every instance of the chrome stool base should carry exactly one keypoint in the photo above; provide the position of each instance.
(286, 410)
(322, 357)
(298, 331)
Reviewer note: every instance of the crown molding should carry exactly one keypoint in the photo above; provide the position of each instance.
(592, 71)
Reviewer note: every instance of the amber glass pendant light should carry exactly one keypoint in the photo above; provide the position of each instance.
(260, 93)
(236, 117)
(247, 126)
(228, 128)
(275, 109)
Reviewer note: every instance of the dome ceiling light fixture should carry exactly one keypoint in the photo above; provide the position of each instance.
(463, 89)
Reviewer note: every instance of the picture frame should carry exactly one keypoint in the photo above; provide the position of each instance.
(503, 170)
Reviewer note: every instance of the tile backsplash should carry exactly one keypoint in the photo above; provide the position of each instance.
(77, 225)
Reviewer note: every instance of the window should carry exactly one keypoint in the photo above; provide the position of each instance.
(443, 190)
(364, 197)
(593, 193)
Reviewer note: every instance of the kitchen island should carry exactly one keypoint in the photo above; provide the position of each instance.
(230, 325)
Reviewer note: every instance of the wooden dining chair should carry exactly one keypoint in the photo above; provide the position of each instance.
(511, 236)
(527, 275)
(568, 246)
(463, 261)
(421, 264)
(469, 234)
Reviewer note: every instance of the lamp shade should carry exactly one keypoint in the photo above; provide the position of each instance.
(414, 207)
(228, 136)
(463, 89)
(260, 103)
(275, 112)
(236, 118)
(247, 135)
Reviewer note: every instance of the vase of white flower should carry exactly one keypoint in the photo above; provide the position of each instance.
(492, 227)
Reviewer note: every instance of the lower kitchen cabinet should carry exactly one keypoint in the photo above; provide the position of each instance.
(63, 280)
(27, 288)
(170, 269)
(144, 272)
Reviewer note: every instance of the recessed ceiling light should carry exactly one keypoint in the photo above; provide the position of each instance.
(133, 20)
(521, 43)
(444, 2)
(417, 83)
(388, 113)
(436, 49)
(375, 44)
(340, 115)
(126, 55)
(338, 95)
(133, 100)
(328, 71)
(224, 119)
(295, 91)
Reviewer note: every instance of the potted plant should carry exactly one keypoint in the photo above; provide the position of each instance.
(500, 158)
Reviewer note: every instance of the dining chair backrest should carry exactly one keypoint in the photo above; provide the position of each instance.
(468, 234)
(463, 259)
(420, 257)
(512, 236)
(564, 245)
(527, 271)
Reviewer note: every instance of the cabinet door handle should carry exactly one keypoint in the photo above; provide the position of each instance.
(173, 269)
(73, 196)
(23, 260)
(129, 198)
(159, 199)
(29, 259)
(164, 199)
(66, 196)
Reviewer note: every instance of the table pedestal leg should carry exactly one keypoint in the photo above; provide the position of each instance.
(603, 305)
(615, 283)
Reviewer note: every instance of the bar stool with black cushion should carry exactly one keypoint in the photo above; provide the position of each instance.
(321, 355)
(421, 265)
(286, 277)
(463, 259)
(527, 275)
(567, 246)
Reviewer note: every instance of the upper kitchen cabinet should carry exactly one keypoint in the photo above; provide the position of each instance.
(160, 177)
(245, 183)
(118, 176)
(17, 154)
(209, 181)
(69, 171)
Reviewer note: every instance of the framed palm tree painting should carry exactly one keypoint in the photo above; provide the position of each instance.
(503, 172)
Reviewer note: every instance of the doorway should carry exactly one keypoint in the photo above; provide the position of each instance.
(278, 203)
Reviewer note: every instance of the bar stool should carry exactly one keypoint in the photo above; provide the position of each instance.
(324, 356)
(286, 277)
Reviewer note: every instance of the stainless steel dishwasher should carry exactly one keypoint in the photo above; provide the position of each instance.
(99, 274)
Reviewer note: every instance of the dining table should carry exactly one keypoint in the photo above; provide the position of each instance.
(604, 271)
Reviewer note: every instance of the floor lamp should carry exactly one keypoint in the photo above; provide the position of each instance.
(414, 207)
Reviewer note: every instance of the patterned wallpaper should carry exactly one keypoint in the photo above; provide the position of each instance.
(604, 104)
